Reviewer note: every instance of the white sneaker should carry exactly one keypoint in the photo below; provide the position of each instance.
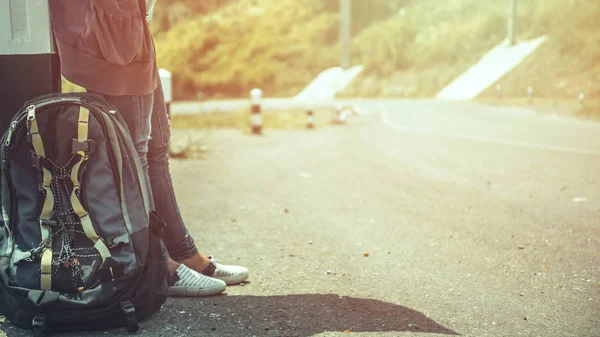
(194, 284)
(229, 274)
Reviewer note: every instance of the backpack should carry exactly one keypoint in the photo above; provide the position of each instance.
(79, 247)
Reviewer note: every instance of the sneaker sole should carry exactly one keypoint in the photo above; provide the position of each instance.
(176, 291)
(233, 279)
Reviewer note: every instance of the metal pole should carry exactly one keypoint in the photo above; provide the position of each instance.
(512, 23)
(345, 24)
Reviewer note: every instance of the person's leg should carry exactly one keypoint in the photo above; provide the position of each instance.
(180, 244)
(137, 112)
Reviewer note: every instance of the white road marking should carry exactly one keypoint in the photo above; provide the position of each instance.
(556, 148)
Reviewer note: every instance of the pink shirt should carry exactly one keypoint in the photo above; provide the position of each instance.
(105, 45)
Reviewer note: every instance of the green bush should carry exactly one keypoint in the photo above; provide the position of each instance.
(248, 44)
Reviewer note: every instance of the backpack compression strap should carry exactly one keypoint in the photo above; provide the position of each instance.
(81, 144)
(38, 148)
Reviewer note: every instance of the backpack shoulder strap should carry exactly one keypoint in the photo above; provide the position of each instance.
(33, 134)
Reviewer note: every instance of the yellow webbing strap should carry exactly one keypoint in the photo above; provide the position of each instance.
(38, 148)
(86, 221)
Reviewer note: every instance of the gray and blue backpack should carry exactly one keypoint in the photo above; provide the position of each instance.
(80, 248)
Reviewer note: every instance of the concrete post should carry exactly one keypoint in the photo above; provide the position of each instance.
(530, 94)
(581, 98)
(337, 113)
(256, 119)
(342, 113)
(29, 65)
(166, 79)
(498, 90)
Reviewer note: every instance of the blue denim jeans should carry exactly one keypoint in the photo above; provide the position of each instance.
(148, 123)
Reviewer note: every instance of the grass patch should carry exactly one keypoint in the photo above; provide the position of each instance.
(589, 110)
(187, 144)
(286, 120)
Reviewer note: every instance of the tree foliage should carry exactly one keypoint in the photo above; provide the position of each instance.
(227, 47)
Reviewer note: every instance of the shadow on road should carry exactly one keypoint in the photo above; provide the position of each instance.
(299, 315)
(262, 316)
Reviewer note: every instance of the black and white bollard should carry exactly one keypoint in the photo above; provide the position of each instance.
(581, 98)
(530, 94)
(310, 115)
(29, 65)
(256, 119)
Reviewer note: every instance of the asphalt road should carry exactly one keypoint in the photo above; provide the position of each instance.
(477, 221)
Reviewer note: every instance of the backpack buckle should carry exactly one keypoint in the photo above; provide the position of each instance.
(39, 325)
(87, 146)
(129, 311)
(36, 161)
(114, 242)
(35, 254)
